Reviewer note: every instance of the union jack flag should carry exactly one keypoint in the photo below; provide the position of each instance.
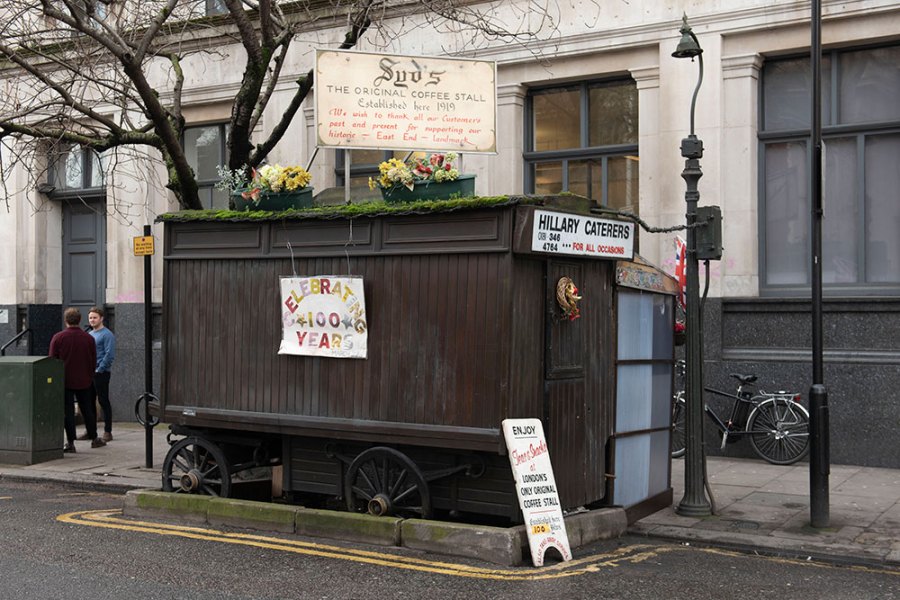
(680, 270)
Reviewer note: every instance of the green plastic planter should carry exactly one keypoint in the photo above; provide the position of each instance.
(462, 187)
(277, 200)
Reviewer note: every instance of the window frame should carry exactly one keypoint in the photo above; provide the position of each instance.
(209, 8)
(87, 172)
(356, 169)
(223, 152)
(830, 131)
(371, 170)
(584, 152)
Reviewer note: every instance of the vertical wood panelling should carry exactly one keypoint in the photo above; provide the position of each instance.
(566, 439)
(415, 340)
(434, 344)
(443, 338)
(567, 342)
(370, 365)
(456, 338)
(481, 336)
(575, 404)
(526, 331)
(245, 277)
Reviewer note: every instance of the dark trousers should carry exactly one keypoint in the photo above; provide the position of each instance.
(101, 385)
(85, 399)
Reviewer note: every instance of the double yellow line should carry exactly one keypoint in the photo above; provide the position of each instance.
(633, 554)
(111, 519)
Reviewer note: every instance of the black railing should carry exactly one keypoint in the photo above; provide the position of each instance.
(15, 339)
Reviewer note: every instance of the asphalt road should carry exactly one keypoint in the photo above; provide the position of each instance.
(63, 543)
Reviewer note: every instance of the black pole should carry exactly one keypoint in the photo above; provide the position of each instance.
(694, 503)
(819, 463)
(148, 353)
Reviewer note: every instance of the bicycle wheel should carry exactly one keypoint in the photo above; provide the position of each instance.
(779, 431)
(678, 429)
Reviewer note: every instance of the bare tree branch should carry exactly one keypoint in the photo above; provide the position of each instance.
(112, 74)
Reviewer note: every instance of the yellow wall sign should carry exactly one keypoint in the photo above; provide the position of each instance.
(143, 245)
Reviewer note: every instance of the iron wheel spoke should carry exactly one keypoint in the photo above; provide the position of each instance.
(203, 462)
(384, 481)
(365, 495)
(405, 493)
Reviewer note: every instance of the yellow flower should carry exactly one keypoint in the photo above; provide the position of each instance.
(394, 172)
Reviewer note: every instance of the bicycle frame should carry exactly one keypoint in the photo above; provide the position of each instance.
(776, 423)
(728, 427)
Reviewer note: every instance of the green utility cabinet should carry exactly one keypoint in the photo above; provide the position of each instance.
(31, 409)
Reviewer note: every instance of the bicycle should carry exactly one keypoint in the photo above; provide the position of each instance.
(777, 424)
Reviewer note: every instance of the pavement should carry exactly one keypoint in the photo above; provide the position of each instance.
(758, 507)
(765, 508)
(119, 466)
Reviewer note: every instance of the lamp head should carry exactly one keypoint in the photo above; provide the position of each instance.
(688, 47)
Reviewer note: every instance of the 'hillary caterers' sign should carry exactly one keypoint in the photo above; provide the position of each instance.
(580, 235)
(536, 488)
(323, 315)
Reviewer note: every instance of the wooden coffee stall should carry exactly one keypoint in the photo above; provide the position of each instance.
(466, 324)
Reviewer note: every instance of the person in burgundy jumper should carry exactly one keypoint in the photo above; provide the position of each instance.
(76, 348)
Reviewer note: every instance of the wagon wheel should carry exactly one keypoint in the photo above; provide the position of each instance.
(195, 465)
(383, 481)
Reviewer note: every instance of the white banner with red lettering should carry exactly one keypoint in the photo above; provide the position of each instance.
(323, 315)
(536, 488)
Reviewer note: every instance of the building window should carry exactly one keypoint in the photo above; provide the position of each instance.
(75, 169)
(861, 142)
(205, 149)
(215, 7)
(364, 164)
(583, 139)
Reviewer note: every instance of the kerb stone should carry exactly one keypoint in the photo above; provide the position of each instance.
(366, 529)
(493, 544)
(600, 524)
(247, 514)
(188, 508)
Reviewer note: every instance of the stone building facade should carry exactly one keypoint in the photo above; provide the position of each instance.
(598, 107)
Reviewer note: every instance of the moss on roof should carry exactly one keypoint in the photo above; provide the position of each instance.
(351, 211)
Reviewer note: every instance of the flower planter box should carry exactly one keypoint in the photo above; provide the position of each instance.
(462, 187)
(276, 200)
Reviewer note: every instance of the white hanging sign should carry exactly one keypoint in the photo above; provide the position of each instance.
(323, 315)
(536, 488)
(581, 235)
(392, 101)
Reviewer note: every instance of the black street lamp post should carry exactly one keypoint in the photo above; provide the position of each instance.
(695, 502)
(819, 444)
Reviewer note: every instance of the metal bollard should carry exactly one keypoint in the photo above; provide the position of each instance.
(819, 456)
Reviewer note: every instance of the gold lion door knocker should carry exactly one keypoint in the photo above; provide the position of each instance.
(567, 297)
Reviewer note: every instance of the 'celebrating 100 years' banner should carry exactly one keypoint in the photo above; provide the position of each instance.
(386, 101)
(323, 315)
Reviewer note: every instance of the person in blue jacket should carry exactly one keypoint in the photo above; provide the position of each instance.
(106, 354)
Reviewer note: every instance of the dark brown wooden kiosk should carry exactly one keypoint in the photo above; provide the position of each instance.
(465, 329)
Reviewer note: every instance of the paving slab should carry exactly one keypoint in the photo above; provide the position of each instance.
(765, 508)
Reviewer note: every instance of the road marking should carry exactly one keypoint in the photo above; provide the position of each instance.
(636, 553)
(5, 497)
(110, 519)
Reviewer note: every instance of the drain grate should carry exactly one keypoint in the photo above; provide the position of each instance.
(748, 525)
